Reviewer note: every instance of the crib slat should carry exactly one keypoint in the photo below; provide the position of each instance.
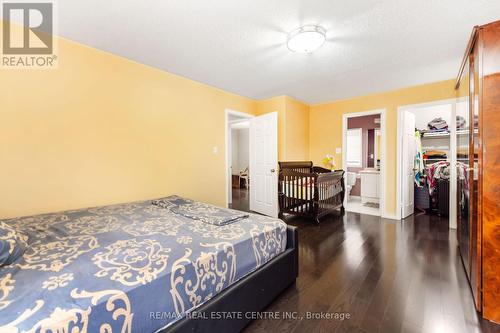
(300, 193)
(295, 192)
(289, 189)
(308, 184)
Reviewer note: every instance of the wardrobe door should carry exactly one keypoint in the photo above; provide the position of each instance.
(463, 140)
(490, 167)
(474, 181)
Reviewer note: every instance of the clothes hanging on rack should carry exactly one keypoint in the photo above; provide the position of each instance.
(435, 171)
(418, 163)
(463, 174)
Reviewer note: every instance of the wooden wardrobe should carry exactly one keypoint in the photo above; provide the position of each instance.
(478, 189)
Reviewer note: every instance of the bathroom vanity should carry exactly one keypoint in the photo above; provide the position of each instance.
(370, 186)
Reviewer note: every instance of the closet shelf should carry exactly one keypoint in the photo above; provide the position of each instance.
(436, 148)
(466, 131)
(427, 160)
(432, 160)
(433, 135)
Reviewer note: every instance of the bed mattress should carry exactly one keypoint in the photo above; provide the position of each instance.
(130, 267)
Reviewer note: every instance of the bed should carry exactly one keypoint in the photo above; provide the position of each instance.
(307, 190)
(142, 267)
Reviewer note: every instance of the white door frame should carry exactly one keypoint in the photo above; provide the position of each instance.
(383, 160)
(227, 138)
(453, 159)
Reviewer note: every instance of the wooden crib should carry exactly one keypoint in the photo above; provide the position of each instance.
(306, 190)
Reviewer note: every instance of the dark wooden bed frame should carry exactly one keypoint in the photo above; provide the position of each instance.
(249, 295)
(307, 190)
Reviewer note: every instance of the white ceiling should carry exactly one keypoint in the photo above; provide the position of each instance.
(240, 45)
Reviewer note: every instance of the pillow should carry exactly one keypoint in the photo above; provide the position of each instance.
(12, 244)
(168, 203)
(200, 211)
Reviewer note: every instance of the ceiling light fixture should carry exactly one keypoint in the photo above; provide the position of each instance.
(306, 39)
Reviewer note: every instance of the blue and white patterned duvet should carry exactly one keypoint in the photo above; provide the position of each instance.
(109, 268)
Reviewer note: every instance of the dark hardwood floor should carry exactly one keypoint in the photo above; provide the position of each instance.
(389, 276)
(241, 199)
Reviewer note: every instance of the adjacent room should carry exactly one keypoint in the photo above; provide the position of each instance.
(363, 161)
(249, 166)
(240, 163)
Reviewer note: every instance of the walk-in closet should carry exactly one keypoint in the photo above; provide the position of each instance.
(428, 134)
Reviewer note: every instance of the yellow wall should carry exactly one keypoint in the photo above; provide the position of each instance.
(101, 129)
(276, 104)
(297, 130)
(293, 126)
(325, 124)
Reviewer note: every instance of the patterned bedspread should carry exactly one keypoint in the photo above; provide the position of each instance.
(109, 269)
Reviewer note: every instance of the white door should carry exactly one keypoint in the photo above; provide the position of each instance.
(408, 172)
(264, 164)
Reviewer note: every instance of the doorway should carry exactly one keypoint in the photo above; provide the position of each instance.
(237, 181)
(363, 158)
(240, 165)
(427, 159)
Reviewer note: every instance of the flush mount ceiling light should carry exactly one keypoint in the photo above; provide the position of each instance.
(306, 39)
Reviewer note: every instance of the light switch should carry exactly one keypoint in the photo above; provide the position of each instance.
(338, 150)
(215, 150)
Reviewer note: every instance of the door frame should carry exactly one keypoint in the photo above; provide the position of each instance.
(375, 150)
(383, 155)
(227, 139)
(453, 159)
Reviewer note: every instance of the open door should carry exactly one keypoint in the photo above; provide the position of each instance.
(263, 164)
(408, 172)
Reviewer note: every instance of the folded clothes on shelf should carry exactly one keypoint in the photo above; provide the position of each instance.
(435, 154)
(462, 151)
(437, 124)
(432, 153)
(461, 123)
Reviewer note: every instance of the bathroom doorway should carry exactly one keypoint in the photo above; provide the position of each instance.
(363, 161)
